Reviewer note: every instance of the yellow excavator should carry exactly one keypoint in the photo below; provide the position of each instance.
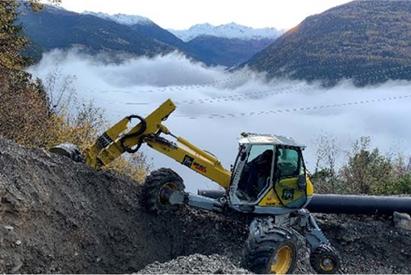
(268, 181)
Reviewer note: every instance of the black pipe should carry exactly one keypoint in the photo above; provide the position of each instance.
(347, 204)
(356, 204)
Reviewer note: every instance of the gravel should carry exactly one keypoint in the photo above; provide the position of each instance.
(195, 264)
(57, 216)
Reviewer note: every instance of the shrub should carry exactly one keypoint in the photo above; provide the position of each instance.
(136, 166)
(366, 171)
(24, 112)
(325, 175)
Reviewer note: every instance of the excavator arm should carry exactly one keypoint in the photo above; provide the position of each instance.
(119, 139)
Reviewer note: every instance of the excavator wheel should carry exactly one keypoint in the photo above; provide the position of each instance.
(156, 185)
(270, 250)
(325, 260)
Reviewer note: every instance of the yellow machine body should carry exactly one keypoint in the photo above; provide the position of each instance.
(120, 138)
(271, 198)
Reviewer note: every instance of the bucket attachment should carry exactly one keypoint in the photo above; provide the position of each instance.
(69, 150)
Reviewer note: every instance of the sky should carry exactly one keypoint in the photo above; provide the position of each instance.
(181, 14)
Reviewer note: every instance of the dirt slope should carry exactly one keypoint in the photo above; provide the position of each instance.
(61, 216)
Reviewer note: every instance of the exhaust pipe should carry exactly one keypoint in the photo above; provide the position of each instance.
(345, 204)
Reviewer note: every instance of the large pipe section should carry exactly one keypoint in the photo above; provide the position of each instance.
(347, 204)
(357, 204)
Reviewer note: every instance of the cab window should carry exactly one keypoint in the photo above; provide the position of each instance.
(288, 162)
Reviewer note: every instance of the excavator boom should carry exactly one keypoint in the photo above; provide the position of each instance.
(119, 139)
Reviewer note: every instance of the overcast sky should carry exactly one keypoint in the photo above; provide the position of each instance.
(181, 14)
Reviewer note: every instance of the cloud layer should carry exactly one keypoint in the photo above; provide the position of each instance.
(215, 106)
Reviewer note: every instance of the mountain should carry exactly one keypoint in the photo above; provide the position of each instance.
(144, 26)
(232, 31)
(226, 45)
(225, 51)
(120, 18)
(369, 41)
(58, 28)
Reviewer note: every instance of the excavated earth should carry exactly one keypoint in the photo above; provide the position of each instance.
(58, 216)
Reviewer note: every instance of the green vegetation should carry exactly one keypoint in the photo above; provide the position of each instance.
(31, 116)
(366, 171)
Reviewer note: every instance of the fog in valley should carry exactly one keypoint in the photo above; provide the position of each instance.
(214, 106)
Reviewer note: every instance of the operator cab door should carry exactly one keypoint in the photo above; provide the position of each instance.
(255, 170)
(290, 177)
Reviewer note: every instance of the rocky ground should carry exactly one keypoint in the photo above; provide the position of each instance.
(195, 264)
(57, 216)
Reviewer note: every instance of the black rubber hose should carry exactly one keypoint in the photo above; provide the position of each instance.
(142, 129)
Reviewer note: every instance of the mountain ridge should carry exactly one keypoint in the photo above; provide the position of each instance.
(348, 41)
(122, 18)
(230, 30)
(58, 28)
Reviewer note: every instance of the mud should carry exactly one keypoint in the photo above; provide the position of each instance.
(57, 216)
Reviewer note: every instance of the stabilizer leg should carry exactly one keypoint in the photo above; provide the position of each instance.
(323, 257)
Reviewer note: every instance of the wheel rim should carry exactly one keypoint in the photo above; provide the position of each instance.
(282, 260)
(327, 264)
(162, 197)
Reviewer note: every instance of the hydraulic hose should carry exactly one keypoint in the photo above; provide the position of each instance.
(137, 134)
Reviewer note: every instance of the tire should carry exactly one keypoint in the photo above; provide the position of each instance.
(270, 249)
(154, 184)
(325, 260)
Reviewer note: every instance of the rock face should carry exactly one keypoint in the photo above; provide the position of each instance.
(58, 216)
(365, 40)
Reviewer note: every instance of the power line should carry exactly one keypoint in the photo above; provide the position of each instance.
(235, 96)
(295, 109)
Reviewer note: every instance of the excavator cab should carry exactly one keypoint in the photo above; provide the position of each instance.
(269, 176)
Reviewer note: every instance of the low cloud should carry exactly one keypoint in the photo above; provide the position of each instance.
(215, 106)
